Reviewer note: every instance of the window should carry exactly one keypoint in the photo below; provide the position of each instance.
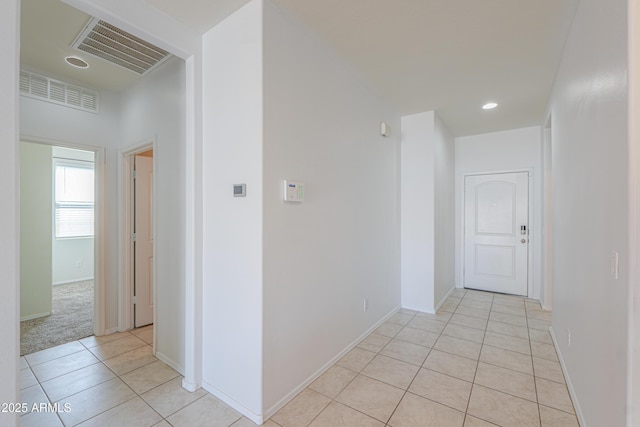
(74, 198)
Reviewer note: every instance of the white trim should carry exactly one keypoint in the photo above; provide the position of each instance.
(248, 413)
(125, 317)
(111, 331)
(125, 303)
(546, 235)
(259, 418)
(276, 407)
(436, 308)
(169, 362)
(35, 316)
(66, 282)
(193, 222)
(531, 291)
(567, 378)
(633, 282)
(99, 264)
(10, 172)
(443, 300)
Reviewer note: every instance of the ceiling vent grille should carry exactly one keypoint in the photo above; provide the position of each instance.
(44, 88)
(110, 43)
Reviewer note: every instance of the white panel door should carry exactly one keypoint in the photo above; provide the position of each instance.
(496, 232)
(143, 244)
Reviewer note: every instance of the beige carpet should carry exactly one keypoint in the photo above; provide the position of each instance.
(71, 319)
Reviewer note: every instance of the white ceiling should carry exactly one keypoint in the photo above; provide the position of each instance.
(48, 27)
(445, 55)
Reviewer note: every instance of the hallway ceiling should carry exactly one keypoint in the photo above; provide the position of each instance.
(451, 56)
(48, 27)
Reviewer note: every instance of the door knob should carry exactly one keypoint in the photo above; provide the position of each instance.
(523, 241)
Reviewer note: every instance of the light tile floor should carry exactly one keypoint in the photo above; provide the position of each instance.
(483, 360)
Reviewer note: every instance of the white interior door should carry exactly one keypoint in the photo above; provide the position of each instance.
(143, 243)
(496, 236)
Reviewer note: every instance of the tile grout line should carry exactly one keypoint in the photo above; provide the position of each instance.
(119, 377)
(75, 370)
(130, 388)
(533, 366)
(358, 373)
(413, 379)
(475, 374)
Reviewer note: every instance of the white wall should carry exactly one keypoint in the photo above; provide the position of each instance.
(232, 236)
(418, 211)
(325, 256)
(428, 163)
(444, 171)
(154, 109)
(72, 260)
(9, 218)
(45, 121)
(36, 210)
(589, 132)
(511, 150)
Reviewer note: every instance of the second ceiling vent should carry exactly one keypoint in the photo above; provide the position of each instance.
(108, 42)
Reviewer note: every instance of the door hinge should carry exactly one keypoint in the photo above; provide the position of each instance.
(134, 175)
(133, 237)
(134, 300)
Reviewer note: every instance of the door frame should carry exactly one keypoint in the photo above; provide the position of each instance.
(99, 252)
(125, 301)
(532, 234)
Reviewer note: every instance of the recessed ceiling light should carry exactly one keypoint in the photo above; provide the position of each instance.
(74, 61)
(489, 106)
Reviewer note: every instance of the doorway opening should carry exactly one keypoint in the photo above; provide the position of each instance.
(58, 236)
(138, 299)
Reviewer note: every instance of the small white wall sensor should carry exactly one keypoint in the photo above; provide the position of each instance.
(293, 191)
(385, 130)
(239, 190)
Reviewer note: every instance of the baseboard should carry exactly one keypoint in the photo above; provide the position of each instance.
(419, 309)
(66, 282)
(437, 307)
(572, 391)
(189, 386)
(35, 316)
(275, 408)
(112, 331)
(170, 362)
(542, 306)
(256, 418)
(442, 301)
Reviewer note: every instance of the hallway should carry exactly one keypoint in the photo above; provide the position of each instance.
(483, 360)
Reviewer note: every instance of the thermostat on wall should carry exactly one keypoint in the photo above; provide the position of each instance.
(239, 190)
(293, 191)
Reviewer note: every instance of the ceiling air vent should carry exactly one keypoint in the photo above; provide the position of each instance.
(105, 41)
(43, 88)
